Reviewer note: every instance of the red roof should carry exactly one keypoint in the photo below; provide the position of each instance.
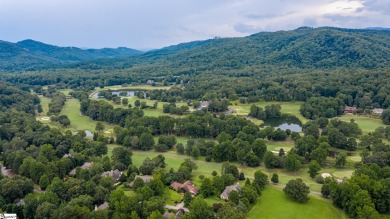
(187, 186)
(176, 185)
(350, 108)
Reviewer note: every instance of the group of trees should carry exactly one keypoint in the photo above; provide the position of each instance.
(327, 107)
(271, 111)
(57, 102)
(364, 195)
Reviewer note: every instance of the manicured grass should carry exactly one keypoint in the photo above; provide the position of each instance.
(172, 197)
(214, 199)
(173, 160)
(66, 91)
(78, 121)
(149, 111)
(275, 146)
(274, 204)
(367, 124)
(287, 108)
(45, 104)
(137, 87)
(179, 139)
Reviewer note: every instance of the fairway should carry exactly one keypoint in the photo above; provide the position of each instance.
(367, 124)
(78, 121)
(273, 204)
(291, 108)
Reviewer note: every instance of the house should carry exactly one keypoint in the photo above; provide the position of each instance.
(377, 111)
(169, 215)
(145, 178)
(115, 174)
(187, 186)
(7, 172)
(228, 189)
(21, 202)
(102, 206)
(350, 109)
(203, 104)
(68, 155)
(150, 81)
(229, 111)
(179, 213)
(86, 165)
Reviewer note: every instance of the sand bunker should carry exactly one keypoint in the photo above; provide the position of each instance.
(45, 118)
(107, 132)
(325, 175)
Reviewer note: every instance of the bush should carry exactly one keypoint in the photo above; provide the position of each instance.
(320, 179)
(297, 190)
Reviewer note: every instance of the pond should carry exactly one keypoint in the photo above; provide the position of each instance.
(88, 133)
(284, 122)
(129, 93)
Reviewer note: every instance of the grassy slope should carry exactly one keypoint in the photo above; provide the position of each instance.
(173, 160)
(367, 124)
(287, 108)
(274, 204)
(78, 121)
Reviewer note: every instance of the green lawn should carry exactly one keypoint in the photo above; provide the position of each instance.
(287, 108)
(367, 124)
(275, 146)
(45, 104)
(173, 160)
(274, 204)
(78, 121)
(172, 197)
(136, 87)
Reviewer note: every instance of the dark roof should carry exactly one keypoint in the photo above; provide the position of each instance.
(187, 186)
(115, 174)
(145, 178)
(228, 189)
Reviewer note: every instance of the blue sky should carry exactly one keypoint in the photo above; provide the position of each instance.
(146, 24)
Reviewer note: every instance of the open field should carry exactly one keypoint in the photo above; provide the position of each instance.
(152, 112)
(45, 104)
(78, 121)
(275, 146)
(274, 204)
(131, 87)
(173, 160)
(287, 108)
(367, 124)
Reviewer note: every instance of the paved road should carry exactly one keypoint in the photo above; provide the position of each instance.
(177, 207)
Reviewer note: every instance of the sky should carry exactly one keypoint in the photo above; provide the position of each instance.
(147, 24)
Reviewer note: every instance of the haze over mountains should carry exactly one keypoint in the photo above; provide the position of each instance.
(324, 47)
(30, 54)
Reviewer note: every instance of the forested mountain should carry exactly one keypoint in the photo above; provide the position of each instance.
(307, 48)
(30, 55)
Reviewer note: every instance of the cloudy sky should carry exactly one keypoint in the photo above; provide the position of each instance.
(146, 24)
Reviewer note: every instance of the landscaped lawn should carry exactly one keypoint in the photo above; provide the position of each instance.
(367, 124)
(78, 121)
(172, 197)
(45, 104)
(275, 146)
(274, 204)
(287, 108)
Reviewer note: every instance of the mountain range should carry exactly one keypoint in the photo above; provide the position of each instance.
(324, 47)
(30, 54)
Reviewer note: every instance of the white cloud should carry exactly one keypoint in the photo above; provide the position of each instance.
(156, 23)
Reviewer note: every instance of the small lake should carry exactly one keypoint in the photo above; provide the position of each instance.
(129, 93)
(284, 123)
(87, 133)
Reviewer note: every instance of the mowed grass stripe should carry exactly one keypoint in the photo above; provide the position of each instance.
(273, 204)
